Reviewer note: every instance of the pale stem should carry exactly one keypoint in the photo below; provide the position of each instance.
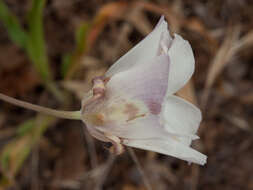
(76, 115)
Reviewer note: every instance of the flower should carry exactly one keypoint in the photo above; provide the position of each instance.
(133, 104)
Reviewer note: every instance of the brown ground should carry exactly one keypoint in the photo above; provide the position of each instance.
(221, 34)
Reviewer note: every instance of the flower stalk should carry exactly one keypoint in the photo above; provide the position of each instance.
(74, 115)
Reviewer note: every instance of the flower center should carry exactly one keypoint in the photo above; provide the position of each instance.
(117, 113)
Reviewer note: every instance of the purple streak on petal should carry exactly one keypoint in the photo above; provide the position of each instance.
(154, 107)
(147, 83)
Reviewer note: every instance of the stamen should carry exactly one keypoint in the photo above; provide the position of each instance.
(117, 148)
(98, 90)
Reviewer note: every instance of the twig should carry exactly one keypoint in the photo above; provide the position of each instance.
(100, 173)
(139, 167)
(34, 165)
(102, 178)
(91, 149)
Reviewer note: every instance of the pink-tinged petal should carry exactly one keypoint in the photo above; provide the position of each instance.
(116, 142)
(180, 117)
(96, 134)
(165, 42)
(144, 51)
(170, 147)
(182, 64)
(144, 83)
(144, 127)
(140, 128)
(133, 101)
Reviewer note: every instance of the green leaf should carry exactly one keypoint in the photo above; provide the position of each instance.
(18, 149)
(26, 127)
(14, 30)
(81, 37)
(5, 160)
(67, 60)
(36, 47)
(4, 182)
(32, 41)
(70, 60)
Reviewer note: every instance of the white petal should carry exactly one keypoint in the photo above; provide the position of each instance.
(140, 128)
(182, 64)
(130, 95)
(160, 22)
(143, 87)
(145, 83)
(96, 134)
(144, 51)
(169, 147)
(180, 117)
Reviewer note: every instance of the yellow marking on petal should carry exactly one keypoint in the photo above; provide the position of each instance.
(137, 116)
(117, 113)
(96, 119)
(131, 110)
(126, 111)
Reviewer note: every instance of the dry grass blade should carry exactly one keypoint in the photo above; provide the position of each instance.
(237, 121)
(91, 149)
(247, 98)
(222, 58)
(140, 21)
(139, 167)
(76, 87)
(101, 180)
(244, 43)
(99, 174)
(195, 25)
(107, 13)
(174, 17)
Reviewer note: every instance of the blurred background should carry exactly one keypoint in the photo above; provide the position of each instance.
(50, 51)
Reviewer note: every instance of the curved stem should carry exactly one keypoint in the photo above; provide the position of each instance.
(48, 111)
